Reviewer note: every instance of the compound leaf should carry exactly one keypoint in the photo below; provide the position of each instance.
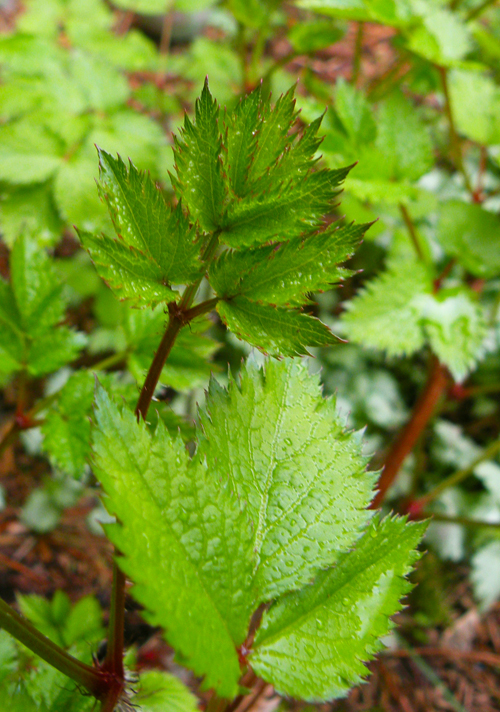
(274, 330)
(311, 643)
(287, 456)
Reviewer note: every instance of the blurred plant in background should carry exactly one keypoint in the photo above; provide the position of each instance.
(411, 90)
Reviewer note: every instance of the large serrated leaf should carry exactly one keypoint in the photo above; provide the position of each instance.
(311, 644)
(184, 540)
(143, 220)
(274, 330)
(240, 139)
(198, 164)
(283, 274)
(303, 478)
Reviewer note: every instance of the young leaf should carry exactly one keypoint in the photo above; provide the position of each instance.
(386, 314)
(303, 478)
(160, 691)
(184, 540)
(283, 274)
(274, 330)
(311, 643)
(198, 165)
(143, 221)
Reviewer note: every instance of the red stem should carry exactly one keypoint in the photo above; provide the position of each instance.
(424, 409)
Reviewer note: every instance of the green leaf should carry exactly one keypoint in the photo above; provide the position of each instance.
(284, 213)
(143, 221)
(274, 330)
(160, 691)
(312, 36)
(184, 541)
(198, 164)
(30, 208)
(29, 153)
(53, 349)
(272, 134)
(441, 37)
(385, 314)
(311, 644)
(240, 139)
(475, 103)
(283, 274)
(403, 140)
(287, 456)
(486, 574)
(471, 234)
(130, 273)
(456, 329)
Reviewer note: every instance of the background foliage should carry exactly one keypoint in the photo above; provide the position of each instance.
(411, 92)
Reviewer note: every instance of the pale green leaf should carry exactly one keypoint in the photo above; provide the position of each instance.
(53, 349)
(288, 457)
(76, 196)
(198, 163)
(184, 540)
(274, 330)
(142, 219)
(283, 274)
(475, 102)
(130, 273)
(311, 644)
(29, 153)
(472, 234)
(385, 314)
(486, 574)
(30, 208)
(456, 329)
(441, 37)
(161, 691)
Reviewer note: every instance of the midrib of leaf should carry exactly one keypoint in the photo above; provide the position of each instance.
(127, 268)
(210, 179)
(262, 530)
(307, 614)
(174, 536)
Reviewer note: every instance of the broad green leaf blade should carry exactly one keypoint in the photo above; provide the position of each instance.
(386, 313)
(30, 154)
(272, 135)
(161, 691)
(475, 102)
(274, 330)
(284, 213)
(456, 329)
(184, 540)
(284, 274)
(472, 235)
(303, 477)
(241, 137)
(143, 220)
(12, 347)
(311, 644)
(198, 164)
(130, 273)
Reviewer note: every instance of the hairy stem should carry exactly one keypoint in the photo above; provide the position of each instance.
(407, 439)
(489, 452)
(21, 629)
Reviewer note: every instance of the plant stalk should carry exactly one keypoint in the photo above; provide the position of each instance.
(90, 678)
(358, 48)
(476, 11)
(424, 409)
(412, 232)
